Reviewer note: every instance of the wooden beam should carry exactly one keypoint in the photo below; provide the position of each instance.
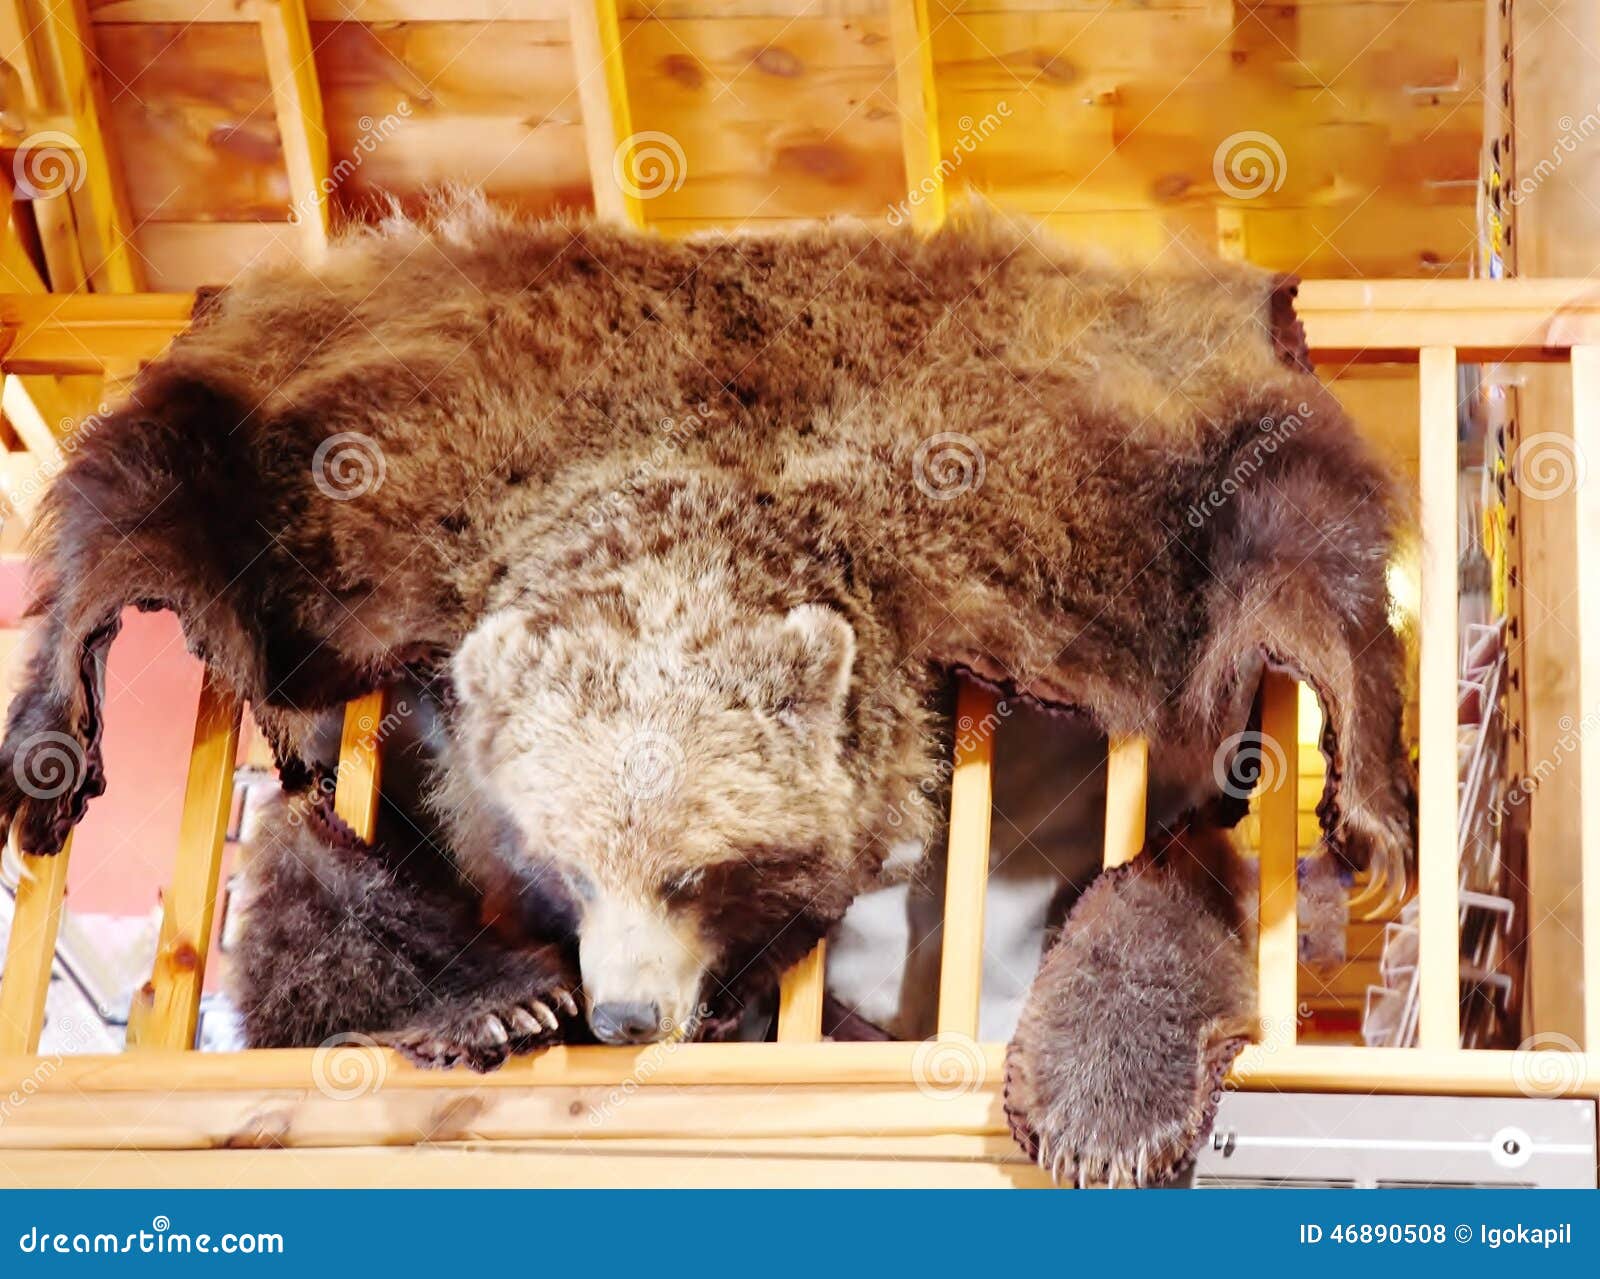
(31, 949)
(297, 101)
(706, 1067)
(919, 113)
(85, 333)
(800, 998)
(1127, 794)
(355, 796)
(1278, 939)
(1586, 442)
(967, 871)
(107, 229)
(191, 898)
(1376, 320)
(1438, 888)
(607, 121)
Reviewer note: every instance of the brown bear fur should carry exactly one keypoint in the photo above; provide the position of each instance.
(743, 501)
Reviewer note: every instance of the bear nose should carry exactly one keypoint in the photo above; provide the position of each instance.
(625, 1022)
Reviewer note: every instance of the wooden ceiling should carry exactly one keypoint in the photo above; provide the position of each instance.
(1106, 117)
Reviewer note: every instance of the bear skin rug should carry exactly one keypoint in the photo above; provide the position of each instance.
(696, 532)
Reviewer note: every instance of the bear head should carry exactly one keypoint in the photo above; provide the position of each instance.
(690, 783)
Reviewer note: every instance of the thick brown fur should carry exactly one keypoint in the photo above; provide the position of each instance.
(708, 495)
(1116, 1068)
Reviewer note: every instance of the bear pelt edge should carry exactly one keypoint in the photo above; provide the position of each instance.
(772, 604)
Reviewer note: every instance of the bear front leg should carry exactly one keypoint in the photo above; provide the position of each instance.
(1136, 1013)
(339, 941)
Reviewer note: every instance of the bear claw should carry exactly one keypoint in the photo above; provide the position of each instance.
(480, 1039)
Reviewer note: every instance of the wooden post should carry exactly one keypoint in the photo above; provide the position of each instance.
(1278, 945)
(1586, 439)
(172, 999)
(31, 950)
(355, 798)
(967, 875)
(1127, 793)
(607, 122)
(919, 113)
(1439, 905)
(297, 101)
(110, 259)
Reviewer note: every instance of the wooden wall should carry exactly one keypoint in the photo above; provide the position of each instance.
(1104, 117)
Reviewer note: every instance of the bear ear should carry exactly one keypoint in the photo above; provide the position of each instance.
(494, 656)
(825, 645)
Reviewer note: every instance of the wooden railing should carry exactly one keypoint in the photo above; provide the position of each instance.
(831, 1103)
(849, 1090)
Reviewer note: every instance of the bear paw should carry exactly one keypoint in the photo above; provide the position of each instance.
(1137, 1012)
(483, 1033)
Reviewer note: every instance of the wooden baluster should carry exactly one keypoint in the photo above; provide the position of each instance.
(167, 1012)
(1586, 441)
(607, 121)
(31, 951)
(1278, 946)
(1127, 792)
(967, 874)
(355, 798)
(1438, 945)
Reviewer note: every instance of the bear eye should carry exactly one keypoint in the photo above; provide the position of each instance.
(682, 887)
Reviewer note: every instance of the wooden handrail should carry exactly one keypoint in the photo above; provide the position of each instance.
(1346, 321)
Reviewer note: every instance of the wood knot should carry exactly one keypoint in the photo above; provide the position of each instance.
(185, 958)
(779, 62)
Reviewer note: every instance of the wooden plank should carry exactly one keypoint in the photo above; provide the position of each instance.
(31, 950)
(490, 1168)
(85, 333)
(363, 1110)
(707, 1067)
(800, 998)
(1586, 441)
(297, 101)
(1438, 870)
(919, 113)
(1127, 792)
(355, 796)
(967, 873)
(191, 897)
(609, 138)
(1376, 320)
(1278, 942)
(108, 252)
